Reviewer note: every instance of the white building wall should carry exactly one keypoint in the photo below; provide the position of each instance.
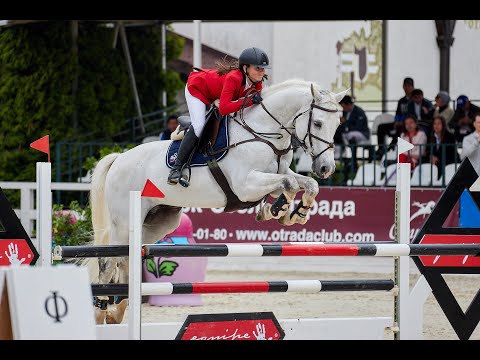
(231, 37)
(464, 64)
(305, 49)
(412, 51)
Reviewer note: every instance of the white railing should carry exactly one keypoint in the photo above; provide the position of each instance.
(27, 212)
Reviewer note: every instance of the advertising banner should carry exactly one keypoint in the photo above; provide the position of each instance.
(338, 215)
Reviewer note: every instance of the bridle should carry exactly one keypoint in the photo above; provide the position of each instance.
(302, 143)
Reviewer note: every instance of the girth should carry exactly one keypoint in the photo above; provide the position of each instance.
(233, 202)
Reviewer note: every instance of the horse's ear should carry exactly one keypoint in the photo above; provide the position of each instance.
(341, 95)
(319, 94)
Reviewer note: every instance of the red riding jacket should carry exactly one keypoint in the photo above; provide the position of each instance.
(207, 86)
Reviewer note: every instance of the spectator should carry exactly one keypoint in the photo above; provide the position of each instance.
(354, 126)
(416, 137)
(471, 145)
(395, 128)
(442, 148)
(172, 123)
(462, 120)
(422, 109)
(442, 106)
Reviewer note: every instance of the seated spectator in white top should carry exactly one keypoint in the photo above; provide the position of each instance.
(471, 145)
(416, 137)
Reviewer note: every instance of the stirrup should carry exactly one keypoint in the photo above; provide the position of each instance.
(174, 176)
(184, 181)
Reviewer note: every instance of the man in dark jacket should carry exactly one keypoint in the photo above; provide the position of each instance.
(354, 124)
(422, 109)
(395, 128)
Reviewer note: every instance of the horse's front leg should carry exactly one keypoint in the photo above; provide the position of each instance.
(301, 212)
(259, 184)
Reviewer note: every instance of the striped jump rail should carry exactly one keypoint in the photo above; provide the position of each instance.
(88, 251)
(257, 250)
(306, 249)
(298, 286)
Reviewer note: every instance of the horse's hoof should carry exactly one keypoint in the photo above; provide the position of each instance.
(100, 316)
(116, 312)
(285, 220)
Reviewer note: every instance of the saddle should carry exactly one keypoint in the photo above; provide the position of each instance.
(210, 131)
(213, 143)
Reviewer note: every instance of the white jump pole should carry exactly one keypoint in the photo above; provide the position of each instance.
(135, 267)
(44, 213)
(408, 314)
(402, 234)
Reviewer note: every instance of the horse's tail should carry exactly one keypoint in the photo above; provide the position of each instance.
(100, 214)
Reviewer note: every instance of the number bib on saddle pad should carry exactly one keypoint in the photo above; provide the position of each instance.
(198, 158)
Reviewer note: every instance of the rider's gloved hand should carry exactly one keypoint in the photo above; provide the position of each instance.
(256, 99)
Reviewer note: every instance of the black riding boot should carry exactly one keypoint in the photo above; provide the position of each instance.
(187, 146)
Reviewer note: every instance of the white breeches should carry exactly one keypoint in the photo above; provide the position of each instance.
(197, 110)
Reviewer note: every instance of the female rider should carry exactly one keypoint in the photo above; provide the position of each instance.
(226, 86)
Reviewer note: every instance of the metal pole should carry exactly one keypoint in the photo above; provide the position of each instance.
(164, 62)
(75, 79)
(384, 65)
(445, 41)
(126, 51)
(197, 43)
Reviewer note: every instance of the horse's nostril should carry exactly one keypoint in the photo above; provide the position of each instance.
(323, 169)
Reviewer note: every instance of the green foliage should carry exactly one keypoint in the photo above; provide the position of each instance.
(38, 70)
(71, 227)
(145, 45)
(104, 97)
(35, 94)
(91, 161)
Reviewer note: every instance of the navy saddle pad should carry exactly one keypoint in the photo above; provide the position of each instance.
(198, 158)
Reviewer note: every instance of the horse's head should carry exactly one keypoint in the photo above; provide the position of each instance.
(315, 129)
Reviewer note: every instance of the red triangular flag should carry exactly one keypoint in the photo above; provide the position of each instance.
(42, 145)
(151, 190)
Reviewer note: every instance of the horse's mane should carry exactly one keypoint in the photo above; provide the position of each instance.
(328, 96)
(272, 89)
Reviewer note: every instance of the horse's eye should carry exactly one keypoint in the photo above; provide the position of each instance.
(317, 123)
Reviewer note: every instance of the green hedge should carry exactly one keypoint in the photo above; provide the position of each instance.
(37, 72)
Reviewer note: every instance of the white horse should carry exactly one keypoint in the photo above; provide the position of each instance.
(294, 107)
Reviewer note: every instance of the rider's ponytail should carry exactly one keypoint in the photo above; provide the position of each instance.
(224, 66)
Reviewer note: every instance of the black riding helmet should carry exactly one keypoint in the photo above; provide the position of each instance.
(254, 56)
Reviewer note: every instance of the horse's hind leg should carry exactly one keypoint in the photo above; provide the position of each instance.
(116, 312)
(160, 221)
(107, 268)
